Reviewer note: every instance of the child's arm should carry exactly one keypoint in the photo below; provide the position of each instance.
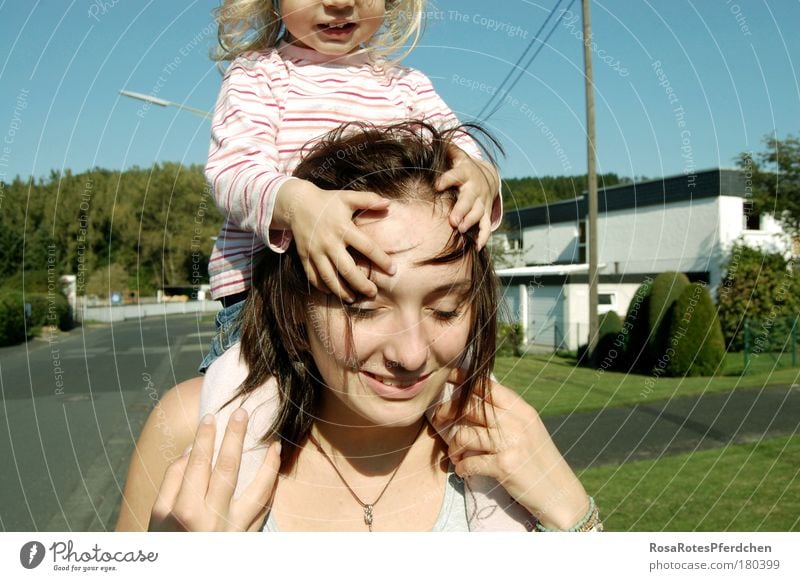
(250, 187)
(479, 198)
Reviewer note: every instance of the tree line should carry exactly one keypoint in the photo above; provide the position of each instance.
(154, 224)
(145, 228)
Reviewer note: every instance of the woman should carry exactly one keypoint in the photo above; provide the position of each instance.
(378, 415)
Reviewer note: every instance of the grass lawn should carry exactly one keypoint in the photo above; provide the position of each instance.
(555, 385)
(744, 487)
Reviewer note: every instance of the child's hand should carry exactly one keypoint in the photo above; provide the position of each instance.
(510, 443)
(321, 222)
(478, 184)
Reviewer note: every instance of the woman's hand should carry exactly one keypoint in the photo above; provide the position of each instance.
(478, 185)
(511, 445)
(195, 497)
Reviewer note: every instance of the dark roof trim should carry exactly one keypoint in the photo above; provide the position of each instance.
(705, 184)
(563, 279)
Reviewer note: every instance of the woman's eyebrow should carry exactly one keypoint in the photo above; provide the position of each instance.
(462, 286)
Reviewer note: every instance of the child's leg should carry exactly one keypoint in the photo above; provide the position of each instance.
(228, 326)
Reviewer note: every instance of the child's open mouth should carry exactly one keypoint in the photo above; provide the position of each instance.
(339, 29)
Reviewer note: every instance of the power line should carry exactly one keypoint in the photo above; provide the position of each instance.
(500, 93)
(521, 57)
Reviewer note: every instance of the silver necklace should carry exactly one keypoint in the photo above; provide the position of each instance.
(368, 507)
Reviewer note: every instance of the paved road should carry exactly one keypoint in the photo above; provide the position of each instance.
(72, 409)
(681, 424)
(64, 449)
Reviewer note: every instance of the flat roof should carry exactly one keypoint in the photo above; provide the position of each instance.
(709, 183)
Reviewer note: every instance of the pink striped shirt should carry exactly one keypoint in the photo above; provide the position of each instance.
(270, 106)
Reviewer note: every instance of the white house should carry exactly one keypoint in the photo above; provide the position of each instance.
(685, 223)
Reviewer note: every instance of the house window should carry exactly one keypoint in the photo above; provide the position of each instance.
(605, 298)
(582, 242)
(752, 218)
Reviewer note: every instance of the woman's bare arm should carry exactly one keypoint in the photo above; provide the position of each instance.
(169, 430)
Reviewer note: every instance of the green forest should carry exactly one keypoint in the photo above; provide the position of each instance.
(154, 226)
(146, 228)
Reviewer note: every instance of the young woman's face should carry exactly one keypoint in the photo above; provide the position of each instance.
(332, 27)
(408, 339)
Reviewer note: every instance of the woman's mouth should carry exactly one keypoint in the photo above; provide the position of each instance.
(395, 387)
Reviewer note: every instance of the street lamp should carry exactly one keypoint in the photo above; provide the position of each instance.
(164, 103)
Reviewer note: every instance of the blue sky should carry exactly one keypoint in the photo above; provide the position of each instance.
(681, 84)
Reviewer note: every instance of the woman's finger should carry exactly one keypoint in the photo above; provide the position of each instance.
(168, 492)
(198, 470)
(251, 504)
(226, 468)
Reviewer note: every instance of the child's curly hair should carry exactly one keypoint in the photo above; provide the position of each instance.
(246, 25)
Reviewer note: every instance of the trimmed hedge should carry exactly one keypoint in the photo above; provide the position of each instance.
(637, 352)
(606, 354)
(12, 318)
(667, 287)
(696, 345)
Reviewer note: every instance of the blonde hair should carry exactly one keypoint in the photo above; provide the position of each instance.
(246, 25)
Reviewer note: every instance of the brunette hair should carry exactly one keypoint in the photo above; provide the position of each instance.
(245, 25)
(399, 162)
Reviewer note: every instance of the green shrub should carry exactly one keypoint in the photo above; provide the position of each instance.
(38, 303)
(695, 343)
(637, 352)
(606, 354)
(12, 318)
(757, 286)
(509, 339)
(667, 287)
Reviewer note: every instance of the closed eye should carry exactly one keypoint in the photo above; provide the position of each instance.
(359, 312)
(446, 316)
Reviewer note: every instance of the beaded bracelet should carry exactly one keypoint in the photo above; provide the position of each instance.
(590, 522)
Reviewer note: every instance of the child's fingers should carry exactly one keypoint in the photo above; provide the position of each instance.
(314, 278)
(226, 468)
(484, 231)
(354, 276)
(473, 216)
(328, 273)
(461, 208)
(365, 201)
(452, 178)
(364, 244)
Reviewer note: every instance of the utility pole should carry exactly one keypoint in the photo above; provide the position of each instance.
(591, 238)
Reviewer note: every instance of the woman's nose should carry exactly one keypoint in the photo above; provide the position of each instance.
(407, 348)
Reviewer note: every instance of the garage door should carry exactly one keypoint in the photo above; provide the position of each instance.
(546, 315)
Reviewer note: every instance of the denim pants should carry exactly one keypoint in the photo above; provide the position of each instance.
(228, 334)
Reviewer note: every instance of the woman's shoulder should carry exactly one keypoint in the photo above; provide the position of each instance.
(220, 393)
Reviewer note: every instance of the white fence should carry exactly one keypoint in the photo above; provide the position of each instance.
(114, 314)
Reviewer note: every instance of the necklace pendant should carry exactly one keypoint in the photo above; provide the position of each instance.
(368, 516)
